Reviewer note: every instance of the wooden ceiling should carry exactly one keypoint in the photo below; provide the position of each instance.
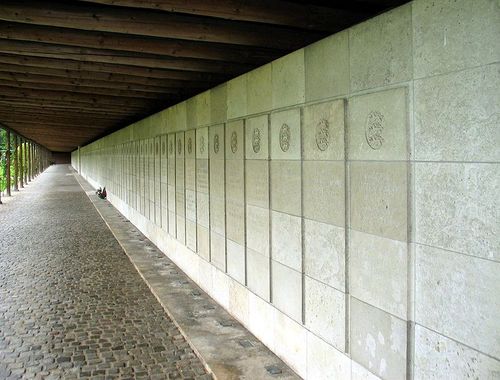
(73, 71)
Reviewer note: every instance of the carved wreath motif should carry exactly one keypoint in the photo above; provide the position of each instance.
(256, 140)
(179, 146)
(322, 135)
(216, 144)
(373, 130)
(234, 142)
(190, 145)
(202, 144)
(163, 148)
(171, 147)
(285, 136)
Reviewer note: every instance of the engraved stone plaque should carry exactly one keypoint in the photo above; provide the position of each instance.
(373, 130)
(234, 142)
(285, 136)
(256, 140)
(202, 144)
(216, 144)
(322, 135)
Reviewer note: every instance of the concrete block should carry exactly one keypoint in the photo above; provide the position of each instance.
(378, 341)
(286, 186)
(378, 272)
(203, 209)
(190, 169)
(380, 50)
(181, 229)
(324, 191)
(257, 183)
(285, 135)
(461, 302)
(217, 178)
(180, 207)
(237, 97)
(258, 273)
(257, 229)
(323, 132)
(172, 221)
(291, 342)
(438, 357)
(288, 74)
(457, 207)
(325, 312)
(236, 261)
(257, 138)
(287, 239)
(262, 320)
(457, 116)
(379, 198)
(203, 108)
(287, 290)
(324, 253)
(217, 215)
(239, 301)
(454, 35)
(203, 241)
(377, 126)
(191, 235)
(191, 205)
(218, 250)
(235, 221)
(259, 90)
(325, 81)
(218, 104)
(326, 362)
(202, 144)
(202, 175)
(191, 114)
(358, 372)
(235, 180)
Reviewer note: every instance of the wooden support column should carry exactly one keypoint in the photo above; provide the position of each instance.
(0, 160)
(7, 162)
(21, 163)
(29, 160)
(16, 164)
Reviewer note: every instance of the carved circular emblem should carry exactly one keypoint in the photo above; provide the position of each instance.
(171, 147)
(373, 130)
(216, 143)
(322, 135)
(190, 145)
(234, 142)
(163, 147)
(179, 146)
(202, 144)
(256, 140)
(285, 136)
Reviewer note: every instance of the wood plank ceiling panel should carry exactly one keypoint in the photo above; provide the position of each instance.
(71, 72)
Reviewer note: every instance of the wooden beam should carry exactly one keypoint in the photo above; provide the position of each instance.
(138, 44)
(39, 75)
(74, 123)
(36, 49)
(74, 106)
(52, 113)
(276, 12)
(113, 69)
(151, 23)
(65, 96)
(85, 89)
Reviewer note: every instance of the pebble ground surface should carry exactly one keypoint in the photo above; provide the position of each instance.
(72, 306)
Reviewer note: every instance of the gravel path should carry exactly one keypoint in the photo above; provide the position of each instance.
(71, 303)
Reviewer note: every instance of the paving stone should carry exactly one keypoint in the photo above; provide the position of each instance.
(73, 306)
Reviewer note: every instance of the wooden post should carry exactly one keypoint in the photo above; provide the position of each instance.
(16, 164)
(7, 161)
(29, 160)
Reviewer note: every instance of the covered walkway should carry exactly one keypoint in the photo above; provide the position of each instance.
(71, 303)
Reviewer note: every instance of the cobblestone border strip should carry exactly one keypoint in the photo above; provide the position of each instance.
(224, 346)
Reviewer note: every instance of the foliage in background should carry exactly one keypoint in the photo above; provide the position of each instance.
(3, 161)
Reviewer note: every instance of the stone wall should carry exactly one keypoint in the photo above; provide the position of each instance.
(342, 201)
